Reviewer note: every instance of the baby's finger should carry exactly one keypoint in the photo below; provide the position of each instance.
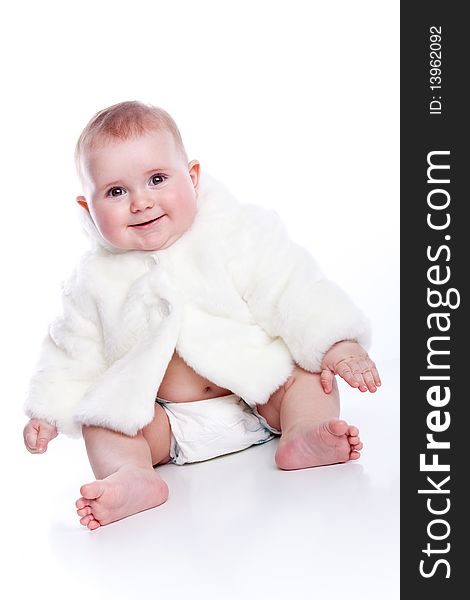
(30, 439)
(367, 376)
(345, 370)
(365, 373)
(369, 380)
(361, 371)
(326, 380)
(376, 376)
(42, 443)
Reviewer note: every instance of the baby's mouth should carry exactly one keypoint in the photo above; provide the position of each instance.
(144, 223)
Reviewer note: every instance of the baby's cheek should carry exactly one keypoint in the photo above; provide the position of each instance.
(110, 227)
(185, 216)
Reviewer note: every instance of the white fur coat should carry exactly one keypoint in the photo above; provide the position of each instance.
(237, 299)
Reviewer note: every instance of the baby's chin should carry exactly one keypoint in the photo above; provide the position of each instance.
(153, 243)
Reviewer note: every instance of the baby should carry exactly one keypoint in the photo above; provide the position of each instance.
(193, 327)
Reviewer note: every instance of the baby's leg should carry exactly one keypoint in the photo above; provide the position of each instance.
(312, 434)
(123, 465)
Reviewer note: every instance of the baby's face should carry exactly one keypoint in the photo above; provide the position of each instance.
(140, 193)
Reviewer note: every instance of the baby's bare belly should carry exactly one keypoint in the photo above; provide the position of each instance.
(182, 384)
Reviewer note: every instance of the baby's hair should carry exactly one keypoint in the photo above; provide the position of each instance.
(123, 121)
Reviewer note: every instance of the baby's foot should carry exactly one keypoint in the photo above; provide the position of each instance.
(128, 491)
(313, 445)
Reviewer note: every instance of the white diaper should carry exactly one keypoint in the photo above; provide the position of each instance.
(207, 428)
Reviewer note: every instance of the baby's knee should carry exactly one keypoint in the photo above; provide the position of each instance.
(90, 430)
(302, 377)
(298, 374)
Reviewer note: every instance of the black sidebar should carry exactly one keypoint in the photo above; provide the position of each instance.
(435, 330)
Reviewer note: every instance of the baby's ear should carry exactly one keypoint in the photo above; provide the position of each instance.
(194, 169)
(83, 203)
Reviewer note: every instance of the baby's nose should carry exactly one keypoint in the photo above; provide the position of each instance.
(141, 201)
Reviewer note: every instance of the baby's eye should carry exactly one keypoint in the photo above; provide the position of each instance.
(156, 179)
(119, 190)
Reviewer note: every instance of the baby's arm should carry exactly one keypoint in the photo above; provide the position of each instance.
(287, 292)
(37, 434)
(350, 361)
(70, 359)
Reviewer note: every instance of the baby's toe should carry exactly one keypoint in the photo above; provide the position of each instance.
(354, 455)
(337, 427)
(83, 512)
(92, 490)
(90, 522)
(358, 446)
(82, 502)
(93, 524)
(86, 519)
(353, 440)
(353, 431)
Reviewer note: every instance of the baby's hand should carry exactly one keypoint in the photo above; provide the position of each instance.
(350, 361)
(37, 434)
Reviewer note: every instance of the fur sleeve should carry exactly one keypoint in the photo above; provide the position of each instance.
(70, 359)
(288, 294)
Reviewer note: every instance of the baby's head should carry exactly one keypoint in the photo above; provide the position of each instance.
(138, 186)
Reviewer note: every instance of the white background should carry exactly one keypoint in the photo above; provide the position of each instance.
(294, 105)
